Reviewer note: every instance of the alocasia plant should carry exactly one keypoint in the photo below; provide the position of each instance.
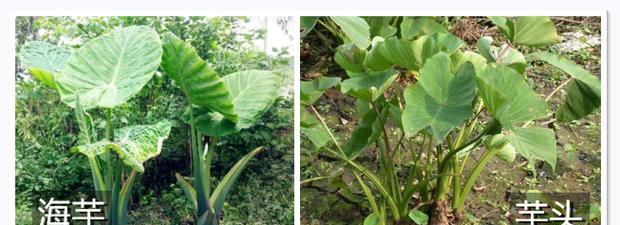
(217, 106)
(104, 73)
(438, 115)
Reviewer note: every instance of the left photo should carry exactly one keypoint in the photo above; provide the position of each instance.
(126, 120)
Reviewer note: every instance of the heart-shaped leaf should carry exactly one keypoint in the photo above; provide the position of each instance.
(459, 57)
(441, 99)
(110, 69)
(134, 144)
(428, 45)
(350, 58)
(534, 31)
(392, 51)
(202, 86)
(356, 29)
(253, 92)
(312, 90)
(43, 60)
(312, 128)
(369, 87)
(534, 143)
(508, 96)
(528, 30)
(580, 101)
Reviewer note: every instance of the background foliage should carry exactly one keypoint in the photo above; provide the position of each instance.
(45, 128)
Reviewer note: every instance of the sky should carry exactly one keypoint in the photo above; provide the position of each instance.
(275, 36)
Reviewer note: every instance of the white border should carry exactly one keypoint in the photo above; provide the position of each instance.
(604, 116)
(9, 174)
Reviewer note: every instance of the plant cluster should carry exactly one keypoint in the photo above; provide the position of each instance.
(110, 69)
(445, 102)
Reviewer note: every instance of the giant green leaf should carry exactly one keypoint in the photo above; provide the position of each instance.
(253, 92)
(412, 27)
(534, 31)
(441, 99)
(201, 85)
(312, 90)
(528, 30)
(508, 96)
(394, 51)
(110, 69)
(569, 67)
(580, 101)
(369, 87)
(134, 144)
(380, 26)
(356, 29)
(534, 143)
(43, 60)
(428, 45)
(459, 57)
(350, 58)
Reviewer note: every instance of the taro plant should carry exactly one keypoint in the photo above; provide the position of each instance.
(420, 92)
(217, 107)
(104, 73)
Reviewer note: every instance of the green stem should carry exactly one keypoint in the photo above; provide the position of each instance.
(113, 206)
(447, 160)
(471, 179)
(207, 164)
(97, 178)
(124, 197)
(373, 179)
(109, 180)
(201, 194)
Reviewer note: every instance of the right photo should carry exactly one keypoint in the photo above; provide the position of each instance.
(451, 120)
